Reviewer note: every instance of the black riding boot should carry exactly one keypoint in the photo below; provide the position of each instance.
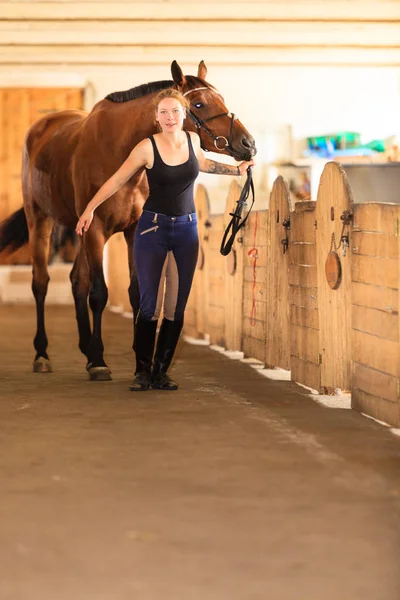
(167, 340)
(143, 345)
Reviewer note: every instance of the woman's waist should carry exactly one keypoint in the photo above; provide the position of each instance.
(159, 217)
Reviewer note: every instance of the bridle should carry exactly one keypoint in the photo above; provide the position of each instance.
(237, 222)
(200, 124)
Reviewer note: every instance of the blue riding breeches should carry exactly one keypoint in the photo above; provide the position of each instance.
(165, 254)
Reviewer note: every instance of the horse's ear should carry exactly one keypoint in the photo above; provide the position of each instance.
(202, 71)
(177, 74)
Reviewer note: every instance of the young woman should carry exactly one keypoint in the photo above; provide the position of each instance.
(166, 239)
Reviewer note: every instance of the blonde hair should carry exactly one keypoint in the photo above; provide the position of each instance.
(171, 93)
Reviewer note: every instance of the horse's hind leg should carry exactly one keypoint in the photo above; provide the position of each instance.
(133, 285)
(80, 281)
(40, 227)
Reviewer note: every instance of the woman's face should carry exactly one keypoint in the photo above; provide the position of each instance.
(170, 114)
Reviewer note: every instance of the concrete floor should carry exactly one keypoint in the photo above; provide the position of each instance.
(232, 488)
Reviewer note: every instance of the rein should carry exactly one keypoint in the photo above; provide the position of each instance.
(236, 223)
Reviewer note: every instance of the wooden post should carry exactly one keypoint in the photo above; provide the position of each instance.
(277, 340)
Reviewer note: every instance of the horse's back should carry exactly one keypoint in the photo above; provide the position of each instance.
(44, 128)
(48, 151)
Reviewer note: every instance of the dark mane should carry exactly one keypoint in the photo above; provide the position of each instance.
(139, 91)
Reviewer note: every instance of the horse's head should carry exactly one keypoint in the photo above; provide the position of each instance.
(218, 129)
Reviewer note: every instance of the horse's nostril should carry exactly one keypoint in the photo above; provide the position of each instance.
(246, 143)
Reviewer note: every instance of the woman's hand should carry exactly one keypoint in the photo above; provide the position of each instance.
(84, 222)
(245, 165)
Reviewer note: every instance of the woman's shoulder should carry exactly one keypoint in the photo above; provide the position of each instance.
(193, 135)
(195, 139)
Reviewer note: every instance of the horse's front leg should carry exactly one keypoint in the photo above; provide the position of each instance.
(94, 241)
(80, 281)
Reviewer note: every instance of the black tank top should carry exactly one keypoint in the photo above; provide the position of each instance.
(171, 188)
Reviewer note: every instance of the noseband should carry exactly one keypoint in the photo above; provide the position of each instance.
(200, 124)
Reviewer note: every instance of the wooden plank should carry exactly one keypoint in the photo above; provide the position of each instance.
(376, 322)
(303, 296)
(304, 317)
(376, 407)
(218, 33)
(375, 271)
(260, 308)
(374, 244)
(305, 372)
(375, 382)
(302, 253)
(260, 274)
(381, 11)
(259, 291)
(254, 329)
(381, 218)
(104, 55)
(304, 343)
(371, 296)
(261, 260)
(254, 348)
(303, 275)
(302, 229)
(216, 277)
(381, 355)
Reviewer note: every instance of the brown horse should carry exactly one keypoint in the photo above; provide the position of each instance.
(67, 156)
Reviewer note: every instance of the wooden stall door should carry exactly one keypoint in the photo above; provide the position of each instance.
(19, 109)
(196, 313)
(303, 297)
(277, 342)
(334, 197)
(203, 263)
(233, 264)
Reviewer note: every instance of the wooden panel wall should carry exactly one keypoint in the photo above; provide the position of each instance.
(233, 271)
(216, 278)
(375, 311)
(254, 285)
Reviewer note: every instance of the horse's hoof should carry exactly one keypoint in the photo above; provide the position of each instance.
(99, 374)
(42, 365)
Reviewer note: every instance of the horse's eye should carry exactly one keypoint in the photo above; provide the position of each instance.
(198, 105)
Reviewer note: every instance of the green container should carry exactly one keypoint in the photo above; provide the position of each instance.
(340, 140)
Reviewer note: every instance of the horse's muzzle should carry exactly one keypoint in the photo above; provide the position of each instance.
(246, 149)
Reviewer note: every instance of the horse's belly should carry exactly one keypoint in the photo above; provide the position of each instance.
(53, 197)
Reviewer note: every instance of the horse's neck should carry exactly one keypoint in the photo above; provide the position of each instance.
(131, 122)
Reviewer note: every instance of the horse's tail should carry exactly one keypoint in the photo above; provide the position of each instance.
(14, 232)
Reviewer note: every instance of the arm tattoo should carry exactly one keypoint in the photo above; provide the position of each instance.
(219, 168)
